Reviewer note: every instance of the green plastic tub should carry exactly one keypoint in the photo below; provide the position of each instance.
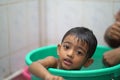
(97, 71)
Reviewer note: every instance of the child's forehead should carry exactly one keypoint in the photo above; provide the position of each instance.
(76, 42)
(75, 38)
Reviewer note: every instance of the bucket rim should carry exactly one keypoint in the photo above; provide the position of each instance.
(74, 73)
(86, 73)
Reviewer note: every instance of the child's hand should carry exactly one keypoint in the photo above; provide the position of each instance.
(53, 77)
(112, 57)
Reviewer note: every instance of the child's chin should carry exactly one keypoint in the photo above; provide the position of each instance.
(66, 68)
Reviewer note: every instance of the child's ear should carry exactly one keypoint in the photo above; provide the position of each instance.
(89, 62)
(58, 49)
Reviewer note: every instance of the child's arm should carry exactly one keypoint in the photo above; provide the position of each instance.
(39, 68)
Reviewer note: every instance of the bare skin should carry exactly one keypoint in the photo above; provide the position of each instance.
(117, 16)
(112, 37)
(72, 55)
(114, 31)
(112, 57)
(39, 69)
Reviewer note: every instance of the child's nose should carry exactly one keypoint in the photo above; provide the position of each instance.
(70, 54)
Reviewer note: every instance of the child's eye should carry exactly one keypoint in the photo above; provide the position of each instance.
(66, 46)
(79, 53)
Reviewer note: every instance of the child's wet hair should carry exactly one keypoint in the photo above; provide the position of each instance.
(85, 35)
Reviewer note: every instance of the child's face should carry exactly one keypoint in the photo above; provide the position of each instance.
(72, 53)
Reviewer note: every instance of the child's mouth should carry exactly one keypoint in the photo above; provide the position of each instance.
(67, 62)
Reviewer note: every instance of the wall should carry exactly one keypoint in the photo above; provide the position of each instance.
(65, 14)
(19, 33)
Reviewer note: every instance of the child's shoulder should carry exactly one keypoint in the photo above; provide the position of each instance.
(51, 58)
(52, 61)
(49, 61)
